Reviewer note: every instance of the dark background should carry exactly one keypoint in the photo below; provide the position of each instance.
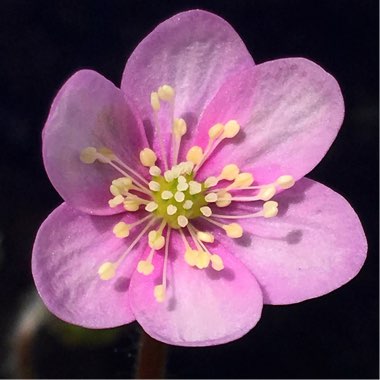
(43, 42)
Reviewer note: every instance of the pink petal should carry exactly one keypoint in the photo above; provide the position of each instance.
(290, 111)
(202, 307)
(89, 111)
(315, 245)
(194, 52)
(68, 251)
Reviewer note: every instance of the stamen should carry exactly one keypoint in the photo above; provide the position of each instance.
(88, 155)
(179, 130)
(148, 157)
(155, 238)
(211, 197)
(233, 230)
(122, 229)
(210, 182)
(195, 155)
(160, 290)
(217, 262)
(182, 186)
(116, 201)
(155, 103)
(215, 131)
(146, 267)
(242, 180)
(285, 181)
(270, 209)
(231, 129)
(169, 175)
(229, 172)
(202, 256)
(166, 93)
(108, 269)
(224, 199)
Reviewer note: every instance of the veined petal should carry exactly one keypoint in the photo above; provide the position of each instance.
(194, 52)
(290, 111)
(314, 245)
(68, 251)
(89, 111)
(202, 307)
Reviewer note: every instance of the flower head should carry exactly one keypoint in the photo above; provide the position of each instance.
(185, 203)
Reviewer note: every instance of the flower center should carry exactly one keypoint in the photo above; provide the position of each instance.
(175, 199)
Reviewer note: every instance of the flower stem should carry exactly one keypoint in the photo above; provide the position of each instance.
(151, 360)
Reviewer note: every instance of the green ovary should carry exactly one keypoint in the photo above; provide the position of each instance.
(198, 201)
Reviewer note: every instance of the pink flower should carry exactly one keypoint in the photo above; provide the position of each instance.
(181, 208)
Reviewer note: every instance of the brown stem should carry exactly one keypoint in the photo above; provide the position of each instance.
(151, 360)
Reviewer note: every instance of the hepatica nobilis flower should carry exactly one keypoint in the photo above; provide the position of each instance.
(185, 203)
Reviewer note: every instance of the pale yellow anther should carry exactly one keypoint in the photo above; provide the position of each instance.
(131, 205)
(154, 186)
(122, 182)
(211, 197)
(285, 181)
(231, 129)
(215, 131)
(182, 221)
(187, 167)
(191, 257)
(216, 262)
(179, 127)
(176, 171)
(206, 211)
(203, 260)
(194, 187)
(166, 194)
(88, 155)
(171, 210)
(121, 230)
(270, 209)
(155, 101)
(243, 180)
(179, 196)
(195, 154)
(114, 190)
(182, 186)
(145, 267)
(107, 271)
(147, 157)
(188, 204)
(267, 193)
(207, 237)
(210, 182)
(154, 171)
(229, 172)
(116, 201)
(166, 93)
(156, 240)
(151, 206)
(224, 199)
(105, 155)
(233, 230)
(182, 179)
(159, 293)
(169, 175)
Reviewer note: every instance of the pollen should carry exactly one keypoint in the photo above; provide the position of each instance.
(210, 182)
(211, 197)
(229, 172)
(151, 206)
(166, 93)
(155, 101)
(206, 237)
(156, 240)
(116, 201)
(206, 211)
(195, 155)
(154, 171)
(179, 127)
(215, 131)
(267, 193)
(154, 186)
(285, 181)
(270, 209)
(231, 129)
(243, 180)
(148, 157)
(217, 262)
(224, 198)
(88, 155)
(145, 267)
(233, 230)
(121, 230)
(182, 221)
(159, 293)
(107, 271)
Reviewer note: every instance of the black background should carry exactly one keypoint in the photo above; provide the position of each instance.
(43, 42)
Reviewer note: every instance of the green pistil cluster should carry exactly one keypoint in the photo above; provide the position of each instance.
(179, 198)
